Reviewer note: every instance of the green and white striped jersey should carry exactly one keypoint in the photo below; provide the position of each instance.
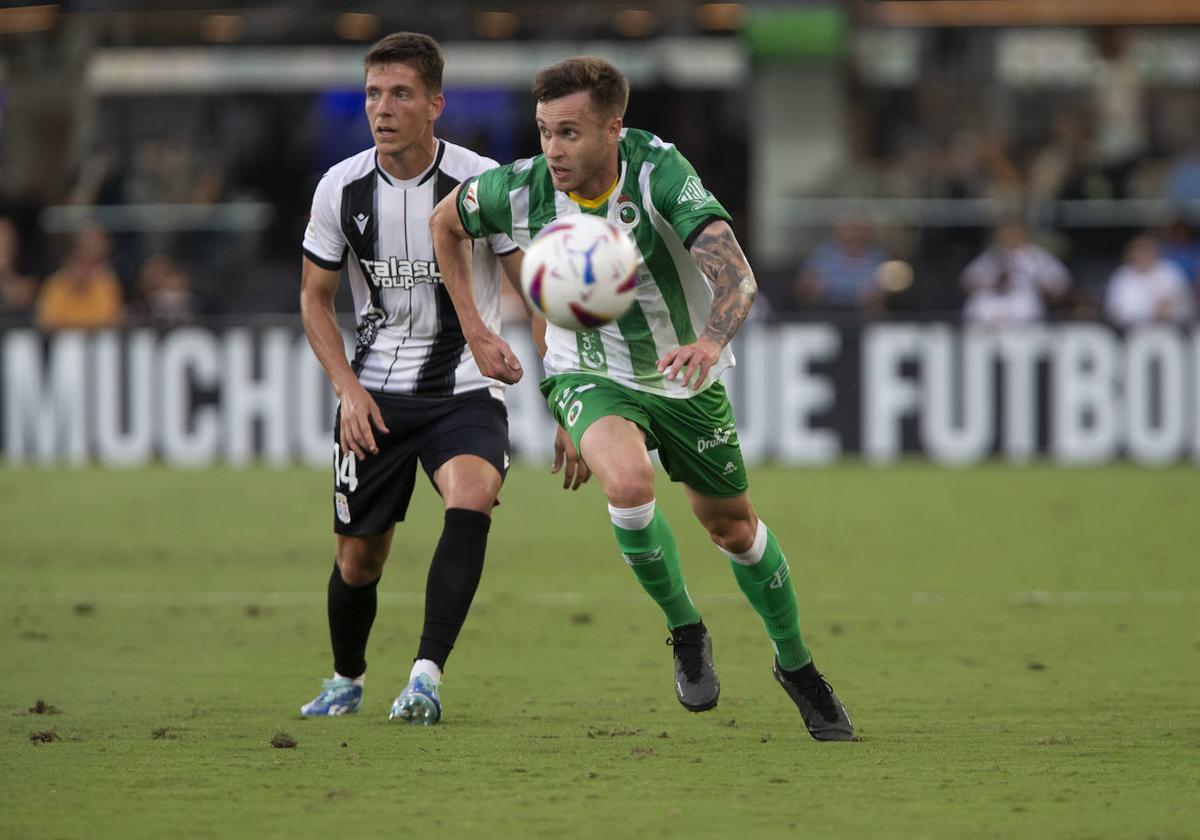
(659, 201)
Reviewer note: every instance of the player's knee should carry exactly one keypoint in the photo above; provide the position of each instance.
(630, 488)
(732, 534)
(477, 495)
(360, 563)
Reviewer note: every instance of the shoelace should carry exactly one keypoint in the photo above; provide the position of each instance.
(820, 694)
(690, 655)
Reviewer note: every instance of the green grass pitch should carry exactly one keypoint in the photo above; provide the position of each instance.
(1019, 648)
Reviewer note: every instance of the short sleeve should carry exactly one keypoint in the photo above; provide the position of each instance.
(681, 197)
(484, 208)
(501, 245)
(324, 242)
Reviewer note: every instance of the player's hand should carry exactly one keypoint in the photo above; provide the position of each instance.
(495, 358)
(566, 458)
(694, 360)
(359, 413)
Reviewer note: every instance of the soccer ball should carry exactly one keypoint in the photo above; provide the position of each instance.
(580, 272)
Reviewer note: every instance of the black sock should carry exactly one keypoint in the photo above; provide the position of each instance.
(803, 676)
(351, 613)
(453, 578)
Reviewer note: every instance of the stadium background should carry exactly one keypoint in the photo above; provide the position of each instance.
(185, 144)
(171, 148)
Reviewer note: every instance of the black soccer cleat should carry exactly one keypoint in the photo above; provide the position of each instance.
(696, 683)
(824, 715)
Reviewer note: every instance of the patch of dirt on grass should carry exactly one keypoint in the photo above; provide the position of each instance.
(41, 707)
(283, 741)
(613, 733)
(1055, 741)
(581, 618)
(35, 636)
(46, 736)
(254, 611)
(84, 608)
(1036, 666)
(643, 752)
(163, 733)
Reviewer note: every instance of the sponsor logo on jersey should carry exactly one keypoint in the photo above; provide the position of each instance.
(343, 507)
(591, 351)
(395, 273)
(729, 468)
(361, 221)
(720, 437)
(693, 192)
(470, 201)
(628, 214)
(367, 331)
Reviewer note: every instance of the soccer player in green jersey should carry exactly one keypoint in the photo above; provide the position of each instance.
(651, 379)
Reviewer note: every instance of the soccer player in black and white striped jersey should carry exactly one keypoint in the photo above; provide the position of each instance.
(413, 392)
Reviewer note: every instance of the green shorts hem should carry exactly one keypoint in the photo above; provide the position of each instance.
(696, 436)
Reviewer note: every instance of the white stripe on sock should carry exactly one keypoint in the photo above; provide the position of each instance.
(634, 518)
(755, 552)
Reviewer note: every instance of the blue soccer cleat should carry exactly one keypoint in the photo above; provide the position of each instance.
(418, 703)
(339, 696)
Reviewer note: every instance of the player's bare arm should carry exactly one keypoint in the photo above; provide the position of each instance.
(511, 263)
(452, 244)
(566, 456)
(358, 410)
(718, 255)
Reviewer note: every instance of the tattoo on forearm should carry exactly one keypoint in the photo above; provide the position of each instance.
(719, 256)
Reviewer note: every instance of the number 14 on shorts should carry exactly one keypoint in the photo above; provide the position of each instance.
(345, 472)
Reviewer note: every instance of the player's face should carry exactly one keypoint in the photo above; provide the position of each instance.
(399, 106)
(580, 143)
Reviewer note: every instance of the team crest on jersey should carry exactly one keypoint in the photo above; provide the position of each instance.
(470, 201)
(628, 214)
(693, 192)
(343, 507)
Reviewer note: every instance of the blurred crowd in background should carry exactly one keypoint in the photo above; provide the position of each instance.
(1010, 204)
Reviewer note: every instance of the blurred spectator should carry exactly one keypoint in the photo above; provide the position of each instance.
(1147, 288)
(1119, 111)
(840, 273)
(974, 164)
(1010, 282)
(166, 296)
(1180, 246)
(1059, 168)
(85, 293)
(17, 292)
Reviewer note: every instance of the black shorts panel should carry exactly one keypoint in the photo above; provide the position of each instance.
(372, 494)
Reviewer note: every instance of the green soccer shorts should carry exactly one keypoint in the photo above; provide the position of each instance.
(695, 437)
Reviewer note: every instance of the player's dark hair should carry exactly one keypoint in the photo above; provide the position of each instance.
(420, 52)
(607, 85)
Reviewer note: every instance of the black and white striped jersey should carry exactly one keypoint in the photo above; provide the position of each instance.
(408, 339)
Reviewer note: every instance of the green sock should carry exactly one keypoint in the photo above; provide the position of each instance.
(768, 588)
(652, 555)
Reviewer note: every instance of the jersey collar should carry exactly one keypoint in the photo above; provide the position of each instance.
(420, 179)
(593, 203)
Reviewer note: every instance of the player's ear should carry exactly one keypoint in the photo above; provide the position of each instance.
(614, 128)
(437, 104)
